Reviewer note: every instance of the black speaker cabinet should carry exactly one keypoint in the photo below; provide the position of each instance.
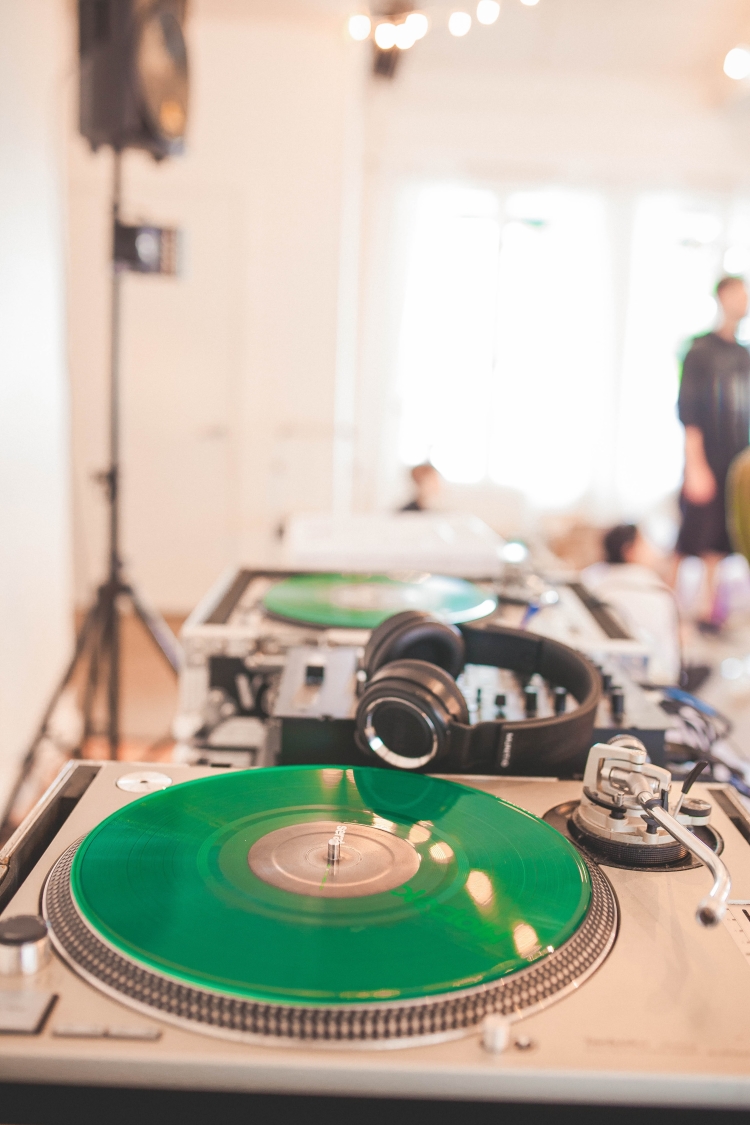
(134, 74)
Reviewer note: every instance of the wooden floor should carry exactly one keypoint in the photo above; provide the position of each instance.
(148, 697)
(148, 704)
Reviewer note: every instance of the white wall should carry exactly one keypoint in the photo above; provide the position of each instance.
(35, 601)
(237, 377)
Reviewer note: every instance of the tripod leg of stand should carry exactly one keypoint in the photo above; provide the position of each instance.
(93, 675)
(156, 626)
(111, 648)
(86, 633)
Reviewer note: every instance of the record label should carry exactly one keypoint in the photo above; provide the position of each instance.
(362, 601)
(226, 883)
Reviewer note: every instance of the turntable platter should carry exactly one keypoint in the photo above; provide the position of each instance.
(363, 601)
(216, 900)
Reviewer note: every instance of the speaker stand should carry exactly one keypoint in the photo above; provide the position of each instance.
(97, 645)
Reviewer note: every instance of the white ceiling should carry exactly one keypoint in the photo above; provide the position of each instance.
(655, 37)
(658, 37)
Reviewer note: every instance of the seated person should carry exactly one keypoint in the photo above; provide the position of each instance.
(628, 581)
(427, 484)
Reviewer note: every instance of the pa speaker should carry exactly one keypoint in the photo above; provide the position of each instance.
(134, 74)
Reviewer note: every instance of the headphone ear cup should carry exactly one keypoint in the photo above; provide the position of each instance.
(415, 635)
(406, 711)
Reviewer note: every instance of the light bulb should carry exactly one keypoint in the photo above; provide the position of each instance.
(737, 63)
(418, 23)
(404, 37)
(488, 11)
(459, 23)
(359, 27)
(385, 36)
(529, 3)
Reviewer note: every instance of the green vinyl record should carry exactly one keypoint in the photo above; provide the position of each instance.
(363, 601)
(227, 884)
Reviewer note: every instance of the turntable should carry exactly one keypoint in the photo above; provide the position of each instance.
(275, 664)
(372, 932)
(252, 625)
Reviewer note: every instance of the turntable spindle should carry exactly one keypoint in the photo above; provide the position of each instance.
(334, 844)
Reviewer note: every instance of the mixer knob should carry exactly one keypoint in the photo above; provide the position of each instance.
(24, 944)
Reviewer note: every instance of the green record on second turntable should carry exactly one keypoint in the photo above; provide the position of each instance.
(363, 601)
(228, 883)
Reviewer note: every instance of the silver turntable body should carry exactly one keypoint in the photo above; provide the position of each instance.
(663, 1019)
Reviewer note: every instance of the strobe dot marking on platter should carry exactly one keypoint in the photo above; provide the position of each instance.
(446, 936)
(143, 781)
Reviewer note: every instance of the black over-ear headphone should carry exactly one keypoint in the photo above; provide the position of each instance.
(412, 714)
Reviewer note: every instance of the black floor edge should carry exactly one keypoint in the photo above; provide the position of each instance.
(40, 1104)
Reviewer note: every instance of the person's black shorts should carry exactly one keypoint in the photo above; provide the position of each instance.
(704, 526)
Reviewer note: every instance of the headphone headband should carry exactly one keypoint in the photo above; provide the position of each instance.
(530, 746)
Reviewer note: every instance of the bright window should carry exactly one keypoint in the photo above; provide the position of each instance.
(554, 346)
(447, 353)
(674, 263)
(542, 332)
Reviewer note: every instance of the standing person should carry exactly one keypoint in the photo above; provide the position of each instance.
(714, 408)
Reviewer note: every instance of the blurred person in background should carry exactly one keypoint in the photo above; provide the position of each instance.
(714, 408)
(629, 581)
(427, 483)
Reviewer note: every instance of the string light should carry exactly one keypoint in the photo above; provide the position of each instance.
(737, 63)
(360, 27)
(530, 3)
(404, 36)
(385, 36)
(418, 23)
(488, 11)
(459, 23)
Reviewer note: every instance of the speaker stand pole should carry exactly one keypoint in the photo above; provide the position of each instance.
(111, 642)
(98, 640)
